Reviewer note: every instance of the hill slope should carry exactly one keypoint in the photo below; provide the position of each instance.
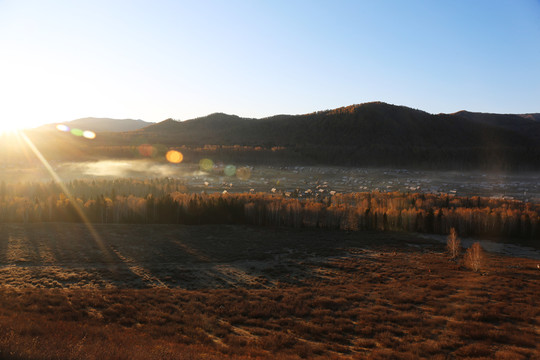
(527, 125)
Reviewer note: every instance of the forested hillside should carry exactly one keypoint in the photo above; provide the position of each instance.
(372, 134)
(527, 125)
(360, 126)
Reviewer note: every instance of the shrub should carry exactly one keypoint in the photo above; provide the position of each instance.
(475, 257)
(453, 244)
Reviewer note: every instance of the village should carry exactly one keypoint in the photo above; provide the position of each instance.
(306, 181)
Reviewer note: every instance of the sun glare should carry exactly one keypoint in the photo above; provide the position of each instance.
(9, 128)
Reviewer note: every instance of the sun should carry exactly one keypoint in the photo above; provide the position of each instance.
(14, 125)
(7, 129)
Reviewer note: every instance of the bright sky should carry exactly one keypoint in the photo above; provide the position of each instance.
(151, 60)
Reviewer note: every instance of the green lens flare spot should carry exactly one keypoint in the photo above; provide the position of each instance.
(206, 164)
(77, 132)
(230, 170)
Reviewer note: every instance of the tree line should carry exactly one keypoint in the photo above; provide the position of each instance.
(166, 201)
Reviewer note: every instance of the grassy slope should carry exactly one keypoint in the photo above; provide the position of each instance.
(318, 294)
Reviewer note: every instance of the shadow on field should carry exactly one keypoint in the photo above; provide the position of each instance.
(66, 255)
(158, 291)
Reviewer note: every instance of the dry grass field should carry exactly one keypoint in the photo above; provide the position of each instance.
(217, 292)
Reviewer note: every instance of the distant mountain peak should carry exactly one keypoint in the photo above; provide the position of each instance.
(106, 124)
(169, 121)
(218, 116)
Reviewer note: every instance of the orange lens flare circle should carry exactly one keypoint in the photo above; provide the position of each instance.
(174, 156)
(243, 173)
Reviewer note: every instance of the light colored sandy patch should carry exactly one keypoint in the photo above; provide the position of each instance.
(363, 253)
(243, 332)
(17, 251)
(46, 254)
(193, 252)
(234, 275)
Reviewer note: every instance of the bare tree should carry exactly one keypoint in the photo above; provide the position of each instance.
(453, 244)
(475, 257)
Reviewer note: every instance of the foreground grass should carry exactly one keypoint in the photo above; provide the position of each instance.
(386, 301)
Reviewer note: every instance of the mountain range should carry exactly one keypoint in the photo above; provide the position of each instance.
(356, 125)
(370, 134)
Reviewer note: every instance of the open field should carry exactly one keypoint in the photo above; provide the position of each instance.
(65, 255)
(164, 291)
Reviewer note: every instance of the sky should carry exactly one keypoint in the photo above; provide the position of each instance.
(153, 60)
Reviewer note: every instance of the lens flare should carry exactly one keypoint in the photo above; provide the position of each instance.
(62, 127)
(243, 173)
(147, 150)
(230, 170)
(206, 164)
(77, 132)
(77, 207)
(89, 134)
(174, 156)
